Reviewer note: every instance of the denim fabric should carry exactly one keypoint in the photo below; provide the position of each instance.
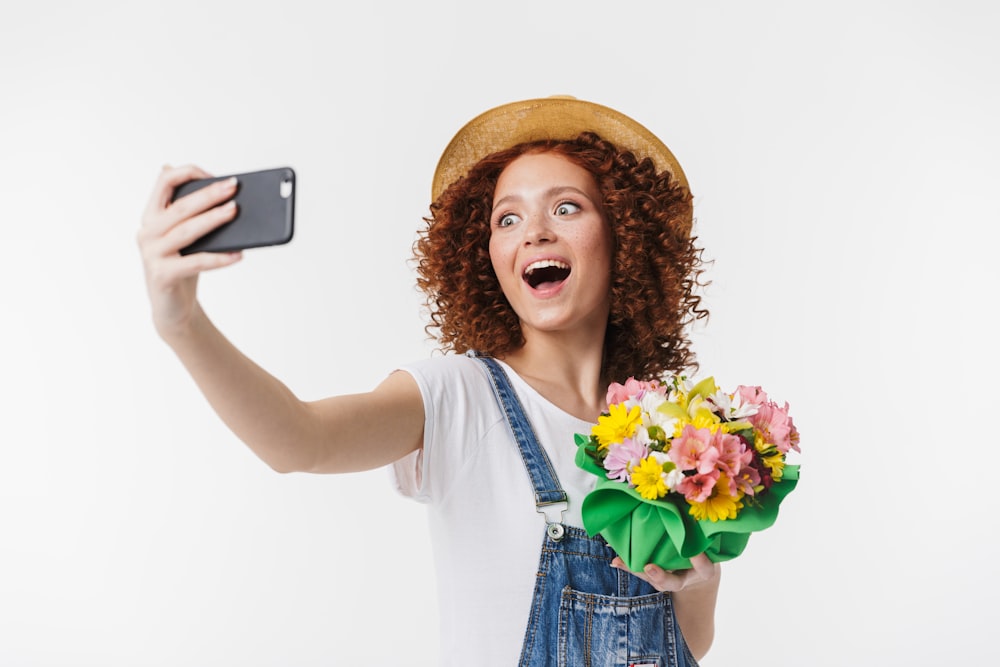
(584, 613)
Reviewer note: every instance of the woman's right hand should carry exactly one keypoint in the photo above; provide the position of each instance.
(172, 278)
(338, 434)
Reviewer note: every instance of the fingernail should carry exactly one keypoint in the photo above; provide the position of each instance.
(229, 183)
(649, 569)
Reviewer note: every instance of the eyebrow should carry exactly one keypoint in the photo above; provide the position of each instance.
(551, 192)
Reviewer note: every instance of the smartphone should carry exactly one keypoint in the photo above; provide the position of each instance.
(265, 211)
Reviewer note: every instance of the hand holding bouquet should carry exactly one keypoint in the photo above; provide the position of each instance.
(685, 468)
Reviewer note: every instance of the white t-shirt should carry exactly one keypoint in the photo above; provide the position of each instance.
(485, 531)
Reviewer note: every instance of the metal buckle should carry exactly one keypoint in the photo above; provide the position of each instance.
(554, 525)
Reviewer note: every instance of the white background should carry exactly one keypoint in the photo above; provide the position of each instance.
(843, 156)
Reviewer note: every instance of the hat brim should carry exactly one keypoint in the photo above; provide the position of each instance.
(556, 117)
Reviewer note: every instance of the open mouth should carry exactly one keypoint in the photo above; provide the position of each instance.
(546, 273)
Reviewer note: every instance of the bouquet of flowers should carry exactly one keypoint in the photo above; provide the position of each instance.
(685, 468)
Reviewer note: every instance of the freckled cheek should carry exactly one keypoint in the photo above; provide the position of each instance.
(599, 249)
(501, 261)
(495, 252)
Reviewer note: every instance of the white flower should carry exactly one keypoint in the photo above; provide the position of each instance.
(660, 457)
(651, 416)
(641, 434)
(682, 384)
(672, 478)
(732, 407)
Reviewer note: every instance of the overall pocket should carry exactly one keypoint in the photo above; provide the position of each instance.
(608, 631)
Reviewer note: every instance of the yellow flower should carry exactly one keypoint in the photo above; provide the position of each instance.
(702, 417)
(647, 475)
(769, 454)
(720, 505)
(617, 425)
(733, 427)
(777, 465)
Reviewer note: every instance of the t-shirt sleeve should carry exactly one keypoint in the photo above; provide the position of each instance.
(408, 473)
(458, 409)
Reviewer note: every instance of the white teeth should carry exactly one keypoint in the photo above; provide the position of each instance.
(544, 263)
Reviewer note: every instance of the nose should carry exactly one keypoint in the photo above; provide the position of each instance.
(538, 229)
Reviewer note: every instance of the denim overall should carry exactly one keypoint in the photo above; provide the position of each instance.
(584, 613)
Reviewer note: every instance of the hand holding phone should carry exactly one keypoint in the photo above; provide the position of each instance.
(265, 214)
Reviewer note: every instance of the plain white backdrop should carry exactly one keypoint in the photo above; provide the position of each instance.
(843, 158)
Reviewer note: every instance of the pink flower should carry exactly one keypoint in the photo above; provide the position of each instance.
(747, 480)
(619, 393)
(622, 457)
(693, 450)
(771, 420)
(733, 454)
(776, 425)
(752, 394)
(697, 488)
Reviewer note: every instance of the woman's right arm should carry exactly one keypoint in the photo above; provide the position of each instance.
(338, 434)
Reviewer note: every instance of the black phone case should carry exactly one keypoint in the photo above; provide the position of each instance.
(265, 212)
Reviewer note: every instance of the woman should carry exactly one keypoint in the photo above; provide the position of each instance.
(559, 262)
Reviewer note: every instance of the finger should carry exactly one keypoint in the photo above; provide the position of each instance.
(192, 229)
(660, 579)
(167, 273)
(160, 222)
(664, 580)
(703, 565)
(168, 179)
(208, 261)
(651, 574)
(194, 203)
(157, 240)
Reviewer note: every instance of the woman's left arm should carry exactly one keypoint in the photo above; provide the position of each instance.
(694, 591)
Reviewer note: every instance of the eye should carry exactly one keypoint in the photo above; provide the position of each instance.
(507, 220)
(566, 208)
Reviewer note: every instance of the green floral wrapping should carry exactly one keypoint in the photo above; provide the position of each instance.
(657, 531)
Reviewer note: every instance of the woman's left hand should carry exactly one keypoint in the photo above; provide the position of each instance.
(702, 571)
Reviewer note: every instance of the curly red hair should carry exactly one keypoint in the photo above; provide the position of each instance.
(656, 264)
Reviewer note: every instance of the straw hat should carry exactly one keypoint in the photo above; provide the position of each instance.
(556, 117)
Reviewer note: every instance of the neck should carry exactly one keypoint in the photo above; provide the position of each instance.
(565, 369)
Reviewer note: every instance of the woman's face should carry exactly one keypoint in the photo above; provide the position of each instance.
(550, 244)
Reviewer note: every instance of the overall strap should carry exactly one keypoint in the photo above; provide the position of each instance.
(549, 496)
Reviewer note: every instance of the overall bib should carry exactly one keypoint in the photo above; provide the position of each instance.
(584, 613)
